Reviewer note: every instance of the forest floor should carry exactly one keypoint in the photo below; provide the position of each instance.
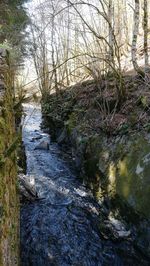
(94, 107)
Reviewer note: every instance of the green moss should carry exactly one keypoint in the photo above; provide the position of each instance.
(71, 122)
(9, 204)
(120, 166)
(132, 179)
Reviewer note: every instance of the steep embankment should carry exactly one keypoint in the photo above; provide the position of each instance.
(9, 204)
(110, 144)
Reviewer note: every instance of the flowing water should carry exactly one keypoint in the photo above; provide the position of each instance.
(63, 228)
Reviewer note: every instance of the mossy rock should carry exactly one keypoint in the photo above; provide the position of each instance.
(132, 177)
(123, 167)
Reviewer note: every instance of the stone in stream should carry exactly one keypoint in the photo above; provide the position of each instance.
(43, 145)
(27, 188)
(36, 138)
(119, 228)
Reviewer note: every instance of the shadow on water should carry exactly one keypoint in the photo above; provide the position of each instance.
(64, 227)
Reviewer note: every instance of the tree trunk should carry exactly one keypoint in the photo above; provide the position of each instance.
(111, 31)
(146, 35)
(135, 35)
(53, 55)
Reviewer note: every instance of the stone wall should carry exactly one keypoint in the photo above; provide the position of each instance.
(116, 167)
(9, 204)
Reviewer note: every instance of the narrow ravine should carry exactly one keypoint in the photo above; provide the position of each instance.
(63, 227)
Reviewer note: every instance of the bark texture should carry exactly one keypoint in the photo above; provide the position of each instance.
(135, 36)
(9, 204)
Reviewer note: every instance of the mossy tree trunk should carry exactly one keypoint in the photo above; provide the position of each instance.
(9, 203)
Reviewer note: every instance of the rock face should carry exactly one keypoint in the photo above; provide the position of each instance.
(111, 165)
(121, 167)
(9, 204)
(114, 166)
(117, 170)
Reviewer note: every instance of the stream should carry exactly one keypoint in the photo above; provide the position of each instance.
(62, 228)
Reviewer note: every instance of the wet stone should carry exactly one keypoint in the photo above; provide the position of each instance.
(43, 145)
(37, 138)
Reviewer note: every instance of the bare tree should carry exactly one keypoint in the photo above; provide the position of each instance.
(75, 40)
(146, 35)
(135, 35)
(111, 30)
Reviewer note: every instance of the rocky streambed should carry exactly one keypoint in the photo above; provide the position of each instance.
(66, 226)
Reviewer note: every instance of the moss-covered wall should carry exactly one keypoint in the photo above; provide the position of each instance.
(120, 166)
(113, 163)
(9, 204)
